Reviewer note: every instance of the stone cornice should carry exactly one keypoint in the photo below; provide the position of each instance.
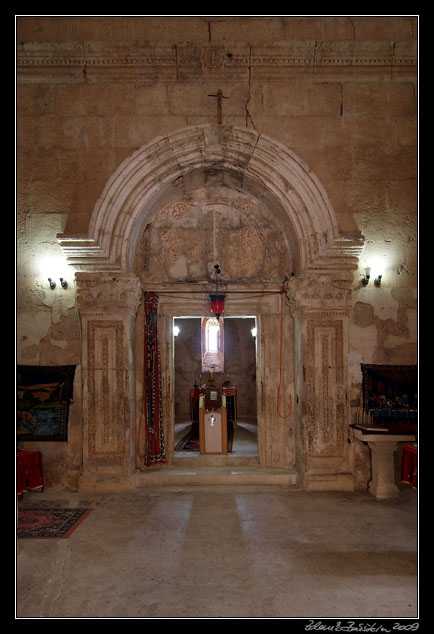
(193, 61)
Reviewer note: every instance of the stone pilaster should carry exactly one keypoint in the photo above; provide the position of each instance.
(107, 305)
(321, 303)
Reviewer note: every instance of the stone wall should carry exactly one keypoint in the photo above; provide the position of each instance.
(339, 92)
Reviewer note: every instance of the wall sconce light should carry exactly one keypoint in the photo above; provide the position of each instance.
(176, 331)
(254, 332)
(366, 277)
(63, 283)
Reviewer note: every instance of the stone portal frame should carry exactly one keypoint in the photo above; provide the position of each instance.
(276, 446)
(305, 326)
(315, 374)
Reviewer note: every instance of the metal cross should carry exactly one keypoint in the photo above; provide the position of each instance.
(219, 96)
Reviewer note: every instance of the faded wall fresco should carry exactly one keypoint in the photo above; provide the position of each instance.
(213, 225)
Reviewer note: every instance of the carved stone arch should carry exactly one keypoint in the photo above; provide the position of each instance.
(141, 180)
(311, 439)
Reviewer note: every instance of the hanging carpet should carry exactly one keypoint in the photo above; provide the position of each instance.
(152, 405)
(44, 394)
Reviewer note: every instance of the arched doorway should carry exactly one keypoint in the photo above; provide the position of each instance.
(307, 299)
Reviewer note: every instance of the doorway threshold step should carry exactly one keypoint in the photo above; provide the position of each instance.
(193, 460)
(216, 476)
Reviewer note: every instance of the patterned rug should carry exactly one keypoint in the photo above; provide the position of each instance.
(49, 523)
(189, 442)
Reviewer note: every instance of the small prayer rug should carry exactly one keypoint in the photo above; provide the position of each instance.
(49, 523)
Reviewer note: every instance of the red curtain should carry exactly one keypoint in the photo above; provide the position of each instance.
(154, 446)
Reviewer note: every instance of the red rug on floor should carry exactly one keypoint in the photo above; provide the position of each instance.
(189, 442)
(49, 523)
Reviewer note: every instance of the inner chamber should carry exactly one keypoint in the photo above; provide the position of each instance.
(196, 343)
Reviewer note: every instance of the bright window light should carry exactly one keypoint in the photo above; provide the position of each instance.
(213, 328)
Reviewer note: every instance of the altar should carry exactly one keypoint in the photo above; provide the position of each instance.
(231, 404)
(383, 445)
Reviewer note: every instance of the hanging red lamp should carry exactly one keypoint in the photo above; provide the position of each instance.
(217, 304)
(217, 299)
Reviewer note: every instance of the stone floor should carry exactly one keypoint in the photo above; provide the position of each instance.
(224, 552)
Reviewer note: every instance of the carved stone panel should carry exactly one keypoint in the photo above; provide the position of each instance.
(106, 392)
(107, 293)
(107, 304)
(325, 389)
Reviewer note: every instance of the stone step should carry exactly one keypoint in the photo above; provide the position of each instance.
(209, 460)
(176, 475)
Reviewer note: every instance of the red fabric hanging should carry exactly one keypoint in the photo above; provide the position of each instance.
(155, 446)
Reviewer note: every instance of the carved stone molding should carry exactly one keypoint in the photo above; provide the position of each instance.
(320, 294)
(234, 62)
(122, 209)
(103, 293)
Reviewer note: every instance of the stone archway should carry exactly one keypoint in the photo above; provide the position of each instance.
(139, 183)
(317, 290)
